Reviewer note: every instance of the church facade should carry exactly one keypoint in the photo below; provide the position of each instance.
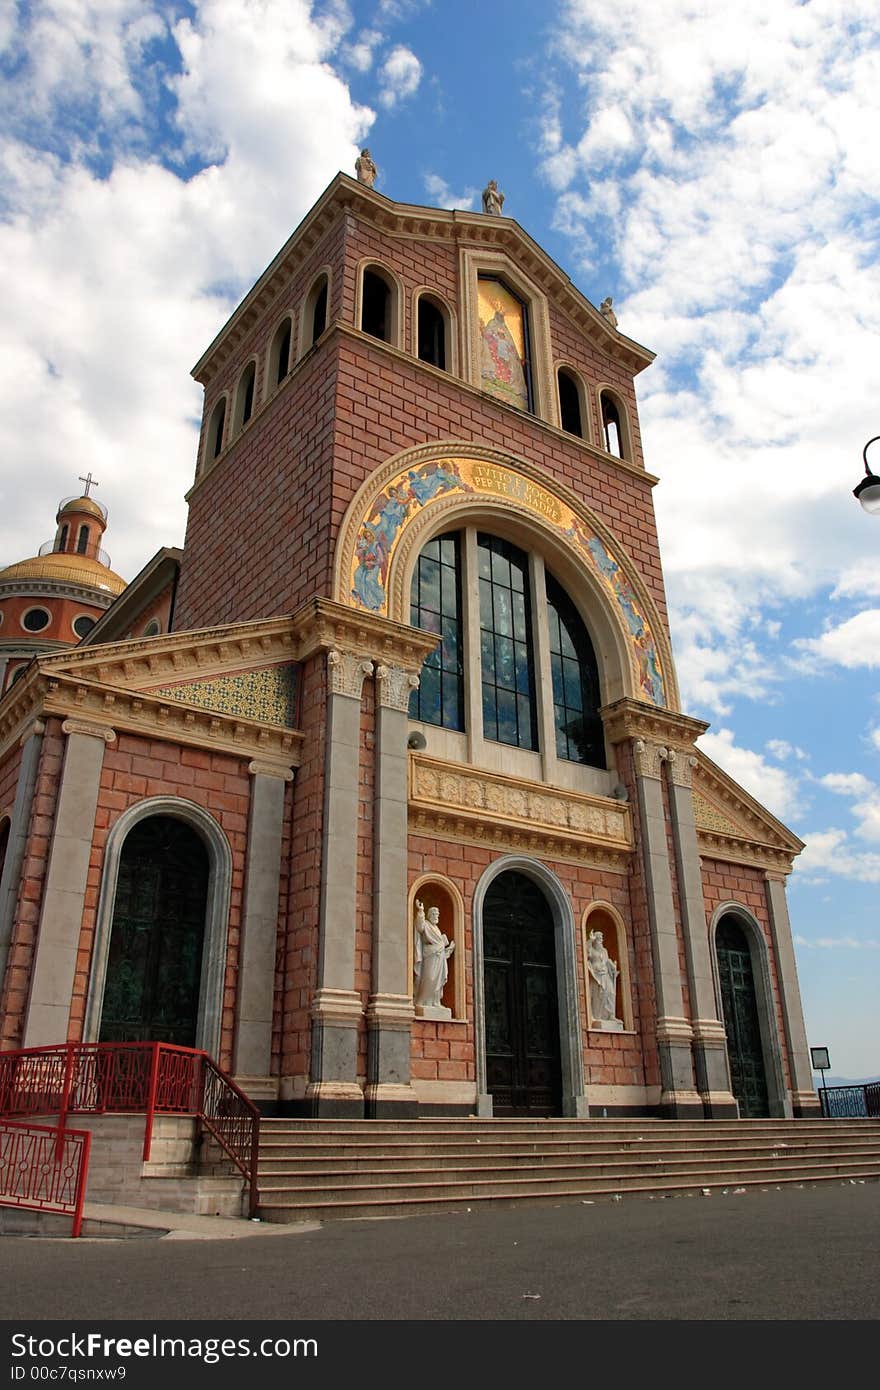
(402, 816)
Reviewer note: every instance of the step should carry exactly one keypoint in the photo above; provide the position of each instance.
(341, 1209)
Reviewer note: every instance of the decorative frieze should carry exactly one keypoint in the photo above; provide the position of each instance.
(512, 814)
(394, 685)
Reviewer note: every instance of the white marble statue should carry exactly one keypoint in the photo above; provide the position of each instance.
(604, 973)
(430, 963)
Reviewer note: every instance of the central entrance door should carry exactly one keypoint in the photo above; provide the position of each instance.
(740, 1008)
(154, 963)
(523, 1071)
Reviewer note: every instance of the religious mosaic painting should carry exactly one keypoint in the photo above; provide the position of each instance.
(503, 343)
(415, 488)
(267, 696)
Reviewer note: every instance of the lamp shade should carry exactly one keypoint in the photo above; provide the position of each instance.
(868, 493)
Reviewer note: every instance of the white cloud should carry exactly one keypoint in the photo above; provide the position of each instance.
(113, 280)
(853, 643)
(400, 76)
(830, 852)
(832, 943)
(441, 195)
(781, 749)
(361, 52)
(861, 580)
(720, 152)
(865, 796)
(774, 787)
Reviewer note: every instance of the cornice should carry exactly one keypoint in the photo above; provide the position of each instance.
(728, 819)
(479, 807)
(128, 711)
(345, 195)
(628, 718)
(730, 849)
(323, 625)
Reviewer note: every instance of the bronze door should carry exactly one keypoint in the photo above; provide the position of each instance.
(740, 1008)
(155, 959)
(522, 1017)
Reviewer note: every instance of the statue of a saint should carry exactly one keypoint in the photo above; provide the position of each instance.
(603, 983)
(365, 168)
(493, 199)
(430, 963)
(607, 312)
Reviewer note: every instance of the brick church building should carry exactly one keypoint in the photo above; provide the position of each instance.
(380, 791)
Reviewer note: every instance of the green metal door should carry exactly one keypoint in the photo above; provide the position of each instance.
(155, 957)
(740, 1007)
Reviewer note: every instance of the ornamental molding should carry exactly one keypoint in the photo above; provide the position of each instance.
(681, 766)
(322, 625)
(346, 672)
(628, 718)
(341, 1007)
(648, 758)
(347, 199)
(394, 685)
(512, 814)
(127, 711)
(731, 825)
(257, 769)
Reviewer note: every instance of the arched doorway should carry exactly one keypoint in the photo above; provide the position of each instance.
(523, 1064)
(154, 960)
(742, 1024)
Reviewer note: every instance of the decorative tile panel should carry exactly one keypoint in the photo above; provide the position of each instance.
(267, 695)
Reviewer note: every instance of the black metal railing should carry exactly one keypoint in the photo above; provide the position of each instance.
(851, 1102)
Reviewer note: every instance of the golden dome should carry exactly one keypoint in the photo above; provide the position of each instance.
(63, 568)
(82, 504)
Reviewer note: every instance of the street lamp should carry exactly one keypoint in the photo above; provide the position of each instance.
(868, 490)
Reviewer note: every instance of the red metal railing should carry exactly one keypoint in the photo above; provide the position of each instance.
(149, 1078)
(42, 1172)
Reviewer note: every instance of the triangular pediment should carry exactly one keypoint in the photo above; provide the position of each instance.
(731, 823)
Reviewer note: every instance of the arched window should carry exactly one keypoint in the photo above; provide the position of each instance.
(474, 582)
(507, 663)
(579, 733)
(431, 332)
(152, 628)
(279, 356)
(82, 540)
(436, 607)
(215, 428)
(569, 403)
(612, 426)
(376, 306)
(61, 543)
(244, 399)
(318, 308)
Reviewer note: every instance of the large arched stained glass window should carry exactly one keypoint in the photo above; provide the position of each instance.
(576, 698)
(508, 675)
(435, 606)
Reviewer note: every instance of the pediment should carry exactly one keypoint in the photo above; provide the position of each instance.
(732, 824)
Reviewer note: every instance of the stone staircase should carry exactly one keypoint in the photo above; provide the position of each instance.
(324, 1169)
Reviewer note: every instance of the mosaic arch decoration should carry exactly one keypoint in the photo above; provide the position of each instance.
(414, 488)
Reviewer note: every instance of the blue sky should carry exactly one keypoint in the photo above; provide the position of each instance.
(714, 170)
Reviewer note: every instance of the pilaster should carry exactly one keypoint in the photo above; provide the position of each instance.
(390, 1013)
(64, 891)
(804, 1100)
(31, 745)
(256, 976)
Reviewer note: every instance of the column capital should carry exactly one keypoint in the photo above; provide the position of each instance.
(88, 730)
(257, 769)
(394, 685)
(34, 731)
(346, 671)
(648, 757)
(681, 764)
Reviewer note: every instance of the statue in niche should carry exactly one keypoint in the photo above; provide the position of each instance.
(430, 963)
(607, 312)
(493, 199)
(603, 974)
(365, 168)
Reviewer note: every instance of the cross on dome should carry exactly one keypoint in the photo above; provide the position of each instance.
(89, 482)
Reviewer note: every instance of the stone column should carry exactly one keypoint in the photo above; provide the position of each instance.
(259, 932)
(19, 825)
(64, 890)
(709, 1045)
(337, 1011)
(678, 1098)
(390, 1010)
(804, 1100)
